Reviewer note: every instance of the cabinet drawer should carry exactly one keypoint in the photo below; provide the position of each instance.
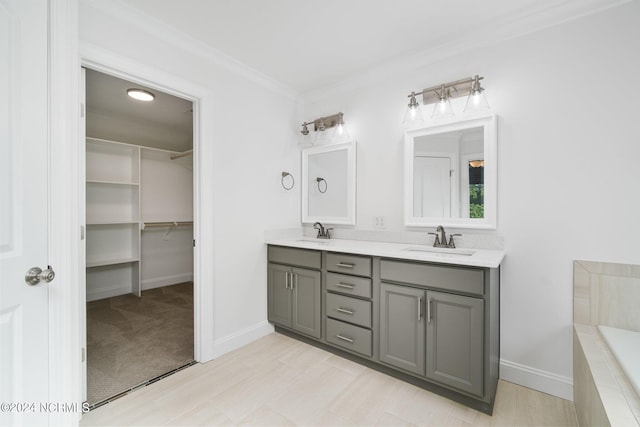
(350, 285)
(350, 264)
(460, 279)
(293, 256)
(348, 336)
(349, 309)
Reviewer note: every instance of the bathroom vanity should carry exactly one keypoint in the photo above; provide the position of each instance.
(429, 317)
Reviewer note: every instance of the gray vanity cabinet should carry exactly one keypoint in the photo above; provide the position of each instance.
(438, 334)
(432, 324)
(402, 332)
(455, 341)
(279, 295)
(294, 293)
(434, 334)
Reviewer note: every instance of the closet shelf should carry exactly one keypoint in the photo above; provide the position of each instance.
(115, 261)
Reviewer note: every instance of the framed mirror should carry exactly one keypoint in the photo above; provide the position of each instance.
(451, 174)
(329, 184)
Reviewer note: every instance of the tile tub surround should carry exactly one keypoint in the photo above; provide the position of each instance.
(372, 244)
(604, 294)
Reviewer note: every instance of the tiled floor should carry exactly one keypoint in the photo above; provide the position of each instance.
(278, 381)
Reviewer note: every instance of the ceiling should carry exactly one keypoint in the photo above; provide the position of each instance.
(307, 45)
(166, 122)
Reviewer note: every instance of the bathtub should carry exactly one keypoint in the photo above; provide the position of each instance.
(603, 393)
(625, 346)
(606, 359)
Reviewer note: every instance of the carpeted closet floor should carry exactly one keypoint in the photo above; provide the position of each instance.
(131, 340)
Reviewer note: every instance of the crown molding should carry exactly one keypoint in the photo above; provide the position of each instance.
(517, 25)
(123, 12)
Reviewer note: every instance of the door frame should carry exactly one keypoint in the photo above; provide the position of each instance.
(107, 62)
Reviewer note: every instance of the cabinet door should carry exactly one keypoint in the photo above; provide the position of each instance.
(402, 332)
(455, 341)
(279, 295)
(306, 302)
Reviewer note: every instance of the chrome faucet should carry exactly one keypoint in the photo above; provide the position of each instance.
(441, 240)
(323, 233)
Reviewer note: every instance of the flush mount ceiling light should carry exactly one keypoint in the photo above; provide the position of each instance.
(320, 126)
(141, 94)
(442, 95)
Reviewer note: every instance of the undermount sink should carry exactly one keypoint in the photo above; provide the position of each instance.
(445, 251)
(312, 239)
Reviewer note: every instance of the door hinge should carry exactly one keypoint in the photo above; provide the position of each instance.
(194, 243)
(82, 110)
(83, 354)
(82, 232)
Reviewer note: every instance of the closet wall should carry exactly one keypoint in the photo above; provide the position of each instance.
(167, 196)
(130, 189)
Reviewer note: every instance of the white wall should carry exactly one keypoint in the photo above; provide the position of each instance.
(251, 142)
(166, 195)
(569, 146)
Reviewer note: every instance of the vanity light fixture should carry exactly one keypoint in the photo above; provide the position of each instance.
(442, 94)
(477, 100)
(414, 112)
(443, 107)
(141, 94)
(321, 125)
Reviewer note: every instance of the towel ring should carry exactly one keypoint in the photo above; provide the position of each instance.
(319, 180)
(293, 182)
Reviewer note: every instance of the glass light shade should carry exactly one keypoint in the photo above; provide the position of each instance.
(413, 115)
(476, 101)
(306, 140)
(322, 137)
(340, 134)
(442, 109)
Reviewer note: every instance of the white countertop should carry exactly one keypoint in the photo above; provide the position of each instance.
(490, 258)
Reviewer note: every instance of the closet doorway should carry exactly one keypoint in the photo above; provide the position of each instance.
(139, 236)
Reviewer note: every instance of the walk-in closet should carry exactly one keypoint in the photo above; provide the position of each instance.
(139, 236)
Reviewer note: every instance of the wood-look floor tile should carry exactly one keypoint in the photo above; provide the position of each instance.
(264, 416)
(280, 381)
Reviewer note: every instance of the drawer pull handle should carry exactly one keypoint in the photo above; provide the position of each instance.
(345, 265)
(345, 310)
(344, 338)
(429, 310)
(345, 285)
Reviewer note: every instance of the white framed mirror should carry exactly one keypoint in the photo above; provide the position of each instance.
(451, 174)
(329, 184)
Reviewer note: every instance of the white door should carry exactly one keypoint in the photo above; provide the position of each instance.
(432, 187)
(23, 211)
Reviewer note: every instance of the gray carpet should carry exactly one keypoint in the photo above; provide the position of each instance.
(131, 340)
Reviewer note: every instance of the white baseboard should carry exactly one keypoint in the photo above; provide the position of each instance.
(241, 338)
(158, 282)
(546, 382)
(113, 291)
